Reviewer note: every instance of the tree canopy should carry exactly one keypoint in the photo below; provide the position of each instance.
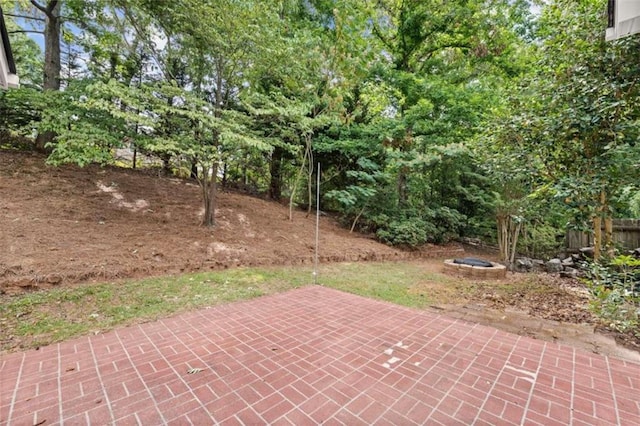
(432, 119)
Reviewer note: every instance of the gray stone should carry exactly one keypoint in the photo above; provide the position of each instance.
(587, 252)
(538, 265)
(523, 264)
(568, 262)
(569, 272)
(554, 266)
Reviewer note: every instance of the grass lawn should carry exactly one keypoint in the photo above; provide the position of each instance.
(44, 317)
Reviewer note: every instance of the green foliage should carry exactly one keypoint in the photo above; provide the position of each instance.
(410, 232)
(567, 130)
(541, 240)
(356, 197)
(21, 110)
(85, 133)
(387, 95)
(615, 287)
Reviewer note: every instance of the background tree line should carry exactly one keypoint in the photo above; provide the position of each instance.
(433, 120)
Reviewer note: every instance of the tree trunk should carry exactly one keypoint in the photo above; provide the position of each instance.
(209, 195)
(607, 238)
(225, 167)
(310, 175)
(51, 61)
(194, 170)
(597, 236)
(295, 184)
(355, 221)
(508, 233)
(602, 241)
(275, 170)
(52, 47)
(402, 187)
(608, 235)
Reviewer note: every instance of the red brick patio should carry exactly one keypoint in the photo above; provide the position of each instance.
(315, 355)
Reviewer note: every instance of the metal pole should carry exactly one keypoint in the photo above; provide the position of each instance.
(315, 263)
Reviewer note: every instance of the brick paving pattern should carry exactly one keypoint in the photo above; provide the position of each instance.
(310, 356)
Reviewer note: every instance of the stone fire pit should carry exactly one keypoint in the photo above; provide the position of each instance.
(476, 268)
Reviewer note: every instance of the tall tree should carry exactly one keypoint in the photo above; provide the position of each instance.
(575, 118)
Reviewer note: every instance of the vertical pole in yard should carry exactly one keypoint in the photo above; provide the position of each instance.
(315, 262)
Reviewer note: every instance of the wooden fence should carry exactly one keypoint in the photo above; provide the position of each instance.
(626, 236)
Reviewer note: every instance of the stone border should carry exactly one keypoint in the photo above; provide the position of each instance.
(497, 272)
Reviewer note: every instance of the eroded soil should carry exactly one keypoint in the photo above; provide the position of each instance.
(66, 226)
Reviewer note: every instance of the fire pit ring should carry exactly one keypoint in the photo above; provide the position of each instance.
(476, 268)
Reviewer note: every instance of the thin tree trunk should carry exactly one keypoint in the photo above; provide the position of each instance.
(597, 236)
(275, 170)
(402, 187)
(508, 234)
(502, 233)
(208, 186)
(353, 225)
(608, 224)
(309, 174)
(608, 235)
(224, 175)
(193, 173)
(295, 185)
(514, 242)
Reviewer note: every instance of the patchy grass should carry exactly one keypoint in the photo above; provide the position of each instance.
(44, 317)
(411, 284)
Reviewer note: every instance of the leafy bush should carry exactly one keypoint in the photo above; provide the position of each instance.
(615, 287)
(448, 224)
(540, 241)
(410, 232)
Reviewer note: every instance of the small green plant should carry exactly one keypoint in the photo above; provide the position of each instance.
(615, 287)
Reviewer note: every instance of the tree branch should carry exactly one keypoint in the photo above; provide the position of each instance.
(52, 6)
(381, 37)
(40, 7)
(35, 18)
(25, 31)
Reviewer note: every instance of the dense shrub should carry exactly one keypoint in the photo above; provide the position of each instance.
(541, 241)
(615, 287)
(410, 232)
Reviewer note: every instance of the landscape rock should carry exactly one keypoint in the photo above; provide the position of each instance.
(587, 252)
(523, 264)
(569, 272)
(538, 265)
(554, 266)
(568, 261)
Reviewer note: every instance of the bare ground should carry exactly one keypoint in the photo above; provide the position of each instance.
(67, 225)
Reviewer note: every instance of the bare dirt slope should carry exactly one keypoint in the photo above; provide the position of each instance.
(68, 225)
(61, 225)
